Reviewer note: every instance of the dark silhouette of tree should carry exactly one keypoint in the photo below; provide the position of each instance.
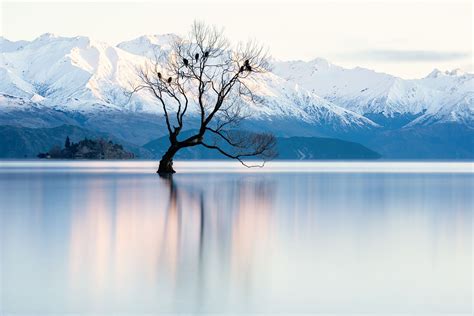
(67, 144)
(205, 71)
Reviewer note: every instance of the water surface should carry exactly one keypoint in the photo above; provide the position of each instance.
(331, 238)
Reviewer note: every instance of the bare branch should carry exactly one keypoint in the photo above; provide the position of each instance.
(205, 73)
(258, 145)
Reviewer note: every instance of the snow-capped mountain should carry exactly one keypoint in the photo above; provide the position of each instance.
(72, 73)
(10, 46)
(457, 100)
(371, 93)
(12, 84)
(78, 81)
(452, 82)
(149, 45)
(80, 74)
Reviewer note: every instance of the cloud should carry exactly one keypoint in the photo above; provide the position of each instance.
(393, 55)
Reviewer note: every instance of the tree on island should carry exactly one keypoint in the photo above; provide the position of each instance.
(87, 149)
(207, 72)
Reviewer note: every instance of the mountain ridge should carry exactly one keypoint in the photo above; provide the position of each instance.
(83, 72)
(54, 80)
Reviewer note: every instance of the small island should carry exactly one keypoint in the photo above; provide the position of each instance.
(88, 149)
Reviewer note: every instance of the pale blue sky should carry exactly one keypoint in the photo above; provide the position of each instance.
(403, 37)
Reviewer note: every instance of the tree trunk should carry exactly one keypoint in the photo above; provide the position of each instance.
(166, 162)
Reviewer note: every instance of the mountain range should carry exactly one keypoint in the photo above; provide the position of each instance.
(56, 81)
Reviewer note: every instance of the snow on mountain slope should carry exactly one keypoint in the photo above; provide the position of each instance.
(12, 84)
(149, 45)
(53, 80)
(451, 82)
(75, 73)
(80, 74)
(10, 46)
(15, 102)
(360, 90)
(282, 98)
(456, 110)
(457, 100)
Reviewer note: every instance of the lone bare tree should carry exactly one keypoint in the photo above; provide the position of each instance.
(204, 71)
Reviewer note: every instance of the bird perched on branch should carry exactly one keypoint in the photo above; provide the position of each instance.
(247, 65)
(241, 68)
(206, 54)
(185, 62)
(159, 75)
(196, 56)
(169, 79)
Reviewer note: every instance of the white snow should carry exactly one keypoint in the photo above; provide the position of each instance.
(80, 74)
(149, 45)
(360, 90)
(10, 46)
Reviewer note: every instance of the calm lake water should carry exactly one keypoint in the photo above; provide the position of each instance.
(330, 238)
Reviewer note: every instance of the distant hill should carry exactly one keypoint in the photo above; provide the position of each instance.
(322, 148)
(24, 142)
(446, 141)
(92, 149)
(300, 148)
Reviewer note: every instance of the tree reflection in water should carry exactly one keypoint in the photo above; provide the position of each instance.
(226, 242)
(216, 229)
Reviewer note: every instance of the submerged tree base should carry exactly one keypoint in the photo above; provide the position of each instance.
(165, 168)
